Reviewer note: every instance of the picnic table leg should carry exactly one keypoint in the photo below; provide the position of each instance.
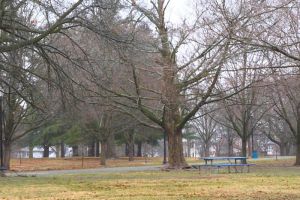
(229, 169)
(248, 168)
(242, 169)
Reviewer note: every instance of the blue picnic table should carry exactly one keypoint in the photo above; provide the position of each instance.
(231, 161)
(243, 160)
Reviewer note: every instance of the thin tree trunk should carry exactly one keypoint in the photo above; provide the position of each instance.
(126, 149)
(298, 151)
(103, 153)
(62, 150)
(111, 146)
(46, 151)
(30, 151)
(206, 150)
(244, 147)
(131, 146)
(298, 137)
(139, 149)
(7, 155)
(97, 149)
(57, 150)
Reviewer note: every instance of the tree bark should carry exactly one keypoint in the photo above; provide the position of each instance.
(244, 148)
(206, 150)
(298, 136)
(131, 146)
(111, 146)
(7, 154)
(30, 151)
(46, 151)
(298, 150)
(175, 156)
(103, 153)
(139, 149)
(97, 149)
(126, 149)
(62, 150)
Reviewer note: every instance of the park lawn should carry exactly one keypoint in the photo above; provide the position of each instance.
(275, 182)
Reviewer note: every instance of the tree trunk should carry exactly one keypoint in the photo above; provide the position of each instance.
(91, 150)
(139, 149)
(62, 150)
(206, 150)
(46, 151)
(126, 149)
(7, 152)
(97, 149)
(130, 146)
(298, 150)
(244, 147)
(103, 153)
(175, 156)
(298, 137)
(75, 151)
(30, 151)
(57, 150)
(111, 146)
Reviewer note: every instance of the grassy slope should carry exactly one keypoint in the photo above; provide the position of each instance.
(269, 180)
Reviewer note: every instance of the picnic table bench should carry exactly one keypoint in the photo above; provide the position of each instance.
(209, 163)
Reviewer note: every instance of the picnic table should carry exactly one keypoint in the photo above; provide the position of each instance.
(231, 161)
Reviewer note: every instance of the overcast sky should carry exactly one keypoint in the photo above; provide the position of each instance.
(179, 9)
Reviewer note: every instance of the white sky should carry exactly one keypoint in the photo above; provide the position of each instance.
(178, 10)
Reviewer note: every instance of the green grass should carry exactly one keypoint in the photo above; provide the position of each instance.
(269, 180)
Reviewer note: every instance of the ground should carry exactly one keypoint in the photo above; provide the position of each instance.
(78, 163)
(270, 179)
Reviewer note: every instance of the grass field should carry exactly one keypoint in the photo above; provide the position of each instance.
(268, 180)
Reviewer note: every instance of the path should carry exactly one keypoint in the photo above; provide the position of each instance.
(85, 171)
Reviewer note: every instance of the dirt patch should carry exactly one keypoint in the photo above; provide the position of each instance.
(40, 164)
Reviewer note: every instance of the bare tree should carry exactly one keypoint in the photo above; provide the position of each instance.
(206, 128)
(188, 82)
